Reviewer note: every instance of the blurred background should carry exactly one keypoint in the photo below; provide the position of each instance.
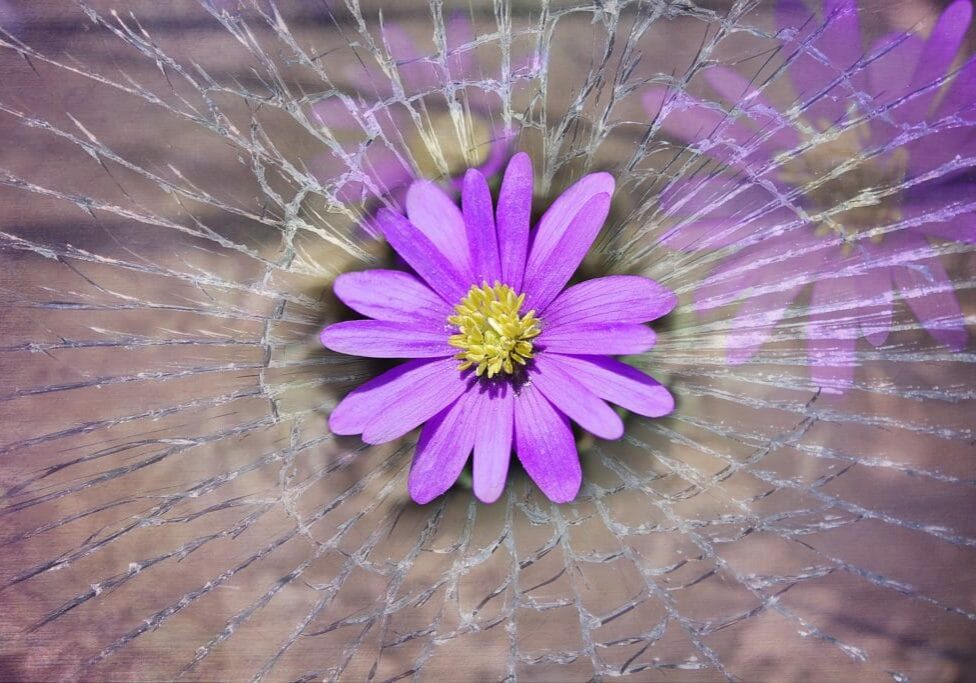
(181, 182)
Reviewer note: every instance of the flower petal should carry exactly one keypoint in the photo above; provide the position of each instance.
(618, 383)
(562, 239)
(615, 298)
(720, 212)
(423, 256)
(408, 382)
(557, 222)
(493, 442)
(889, 75)
(380, 172)
(391, 295)
(767, 277)
(929, 292)
(937, 154)
(936, 57)
(602, 339)
(841, 42)
(960, 228)
(336, 114)
(499, 146)
(780, 261)
(961, 97)
(831, 337)
(436, 215)
(443, 448)
(873, 290)
(384, 339)
(574, 400)
(461, 57)
(739, 92)
(480, 224)
(545, 447)
(706, 126)
(838, 38)
(755, 321)
(513, 214)
(415, 72)
(398, 417)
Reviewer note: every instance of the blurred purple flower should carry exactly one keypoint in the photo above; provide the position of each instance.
(846, 194)
(10, 17)
(388, 145)
(522, 376)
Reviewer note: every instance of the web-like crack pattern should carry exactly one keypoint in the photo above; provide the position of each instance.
(181, 182)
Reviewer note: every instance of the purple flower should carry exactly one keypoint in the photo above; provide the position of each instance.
(504, 364)
(389, 137)
(847, 195)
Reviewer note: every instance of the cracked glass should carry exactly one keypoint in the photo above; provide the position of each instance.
(180, 184)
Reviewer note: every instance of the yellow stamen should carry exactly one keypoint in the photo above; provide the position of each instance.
(851, 196)
(492, 336)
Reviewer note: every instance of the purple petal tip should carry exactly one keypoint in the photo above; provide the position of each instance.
(323, 338)
(566, 492)
(338, 425)
(664, 404)
(420, 494)
(489, 497)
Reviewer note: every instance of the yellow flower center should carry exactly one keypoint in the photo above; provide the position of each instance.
(492, 336)
(856, 197)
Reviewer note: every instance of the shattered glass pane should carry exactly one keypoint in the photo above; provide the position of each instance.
(182, 181)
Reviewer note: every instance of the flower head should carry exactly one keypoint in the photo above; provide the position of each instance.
(502, 353)
(844, 190)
